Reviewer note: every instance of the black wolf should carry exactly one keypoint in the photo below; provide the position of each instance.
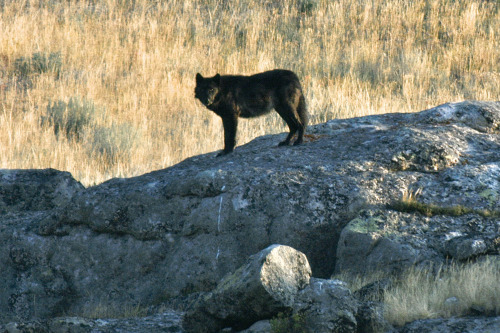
(233, 96)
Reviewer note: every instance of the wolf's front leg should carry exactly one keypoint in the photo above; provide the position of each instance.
(230, 124)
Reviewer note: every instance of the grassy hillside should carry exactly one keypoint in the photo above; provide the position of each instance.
(104, 88)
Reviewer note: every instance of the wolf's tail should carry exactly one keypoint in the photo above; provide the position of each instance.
(302, 111)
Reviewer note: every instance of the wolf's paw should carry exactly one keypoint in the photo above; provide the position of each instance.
(284, 143)
(224, 153)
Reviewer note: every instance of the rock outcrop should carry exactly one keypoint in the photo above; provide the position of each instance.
(67, 250)
(277, 281)
(268, 283)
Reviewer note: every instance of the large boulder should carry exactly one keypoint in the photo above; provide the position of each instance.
(327, 306)
(32, 285)
(35, 190)
(273, 283)
(173, 232)
(268, 283)
(391, 241)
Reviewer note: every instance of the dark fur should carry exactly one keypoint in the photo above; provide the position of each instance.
(233, 96)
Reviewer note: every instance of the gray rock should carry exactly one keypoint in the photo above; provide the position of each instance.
(267, 284)
(36, 190)
(31, 286)
(27, 327)
(328, 306)
(452, 304)
(391, 241)
(275, 282)
(374, 291)
(163, 322)
(465, 247)
(174, 232)
(370, 318)
(263, 326)
(480, 116)
(365, 247)
(453, 325)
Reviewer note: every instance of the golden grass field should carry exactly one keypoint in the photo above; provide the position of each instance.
(104, 88)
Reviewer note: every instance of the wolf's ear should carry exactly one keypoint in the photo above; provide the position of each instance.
(216, 79)
(198, 77)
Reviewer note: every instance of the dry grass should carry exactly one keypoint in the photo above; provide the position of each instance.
(136, 62)
(410, 204)
(421, 294)
(355, 282)
(105, 311)
(455, 290)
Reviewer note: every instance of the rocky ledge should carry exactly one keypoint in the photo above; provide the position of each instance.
(169, 236)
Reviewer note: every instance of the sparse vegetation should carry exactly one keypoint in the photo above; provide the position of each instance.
(356, 282)
(104, 310)
(293, 323)
(38, 63)
(71, 118)
(422, 294)
(138, 59)
(114, 143)
(410, 204)
(454, 290)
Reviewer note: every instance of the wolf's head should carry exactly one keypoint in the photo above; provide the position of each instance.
(207, 88)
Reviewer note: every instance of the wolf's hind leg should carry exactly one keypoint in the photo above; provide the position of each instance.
(288, 113)
(302, 113)
(300, 136)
